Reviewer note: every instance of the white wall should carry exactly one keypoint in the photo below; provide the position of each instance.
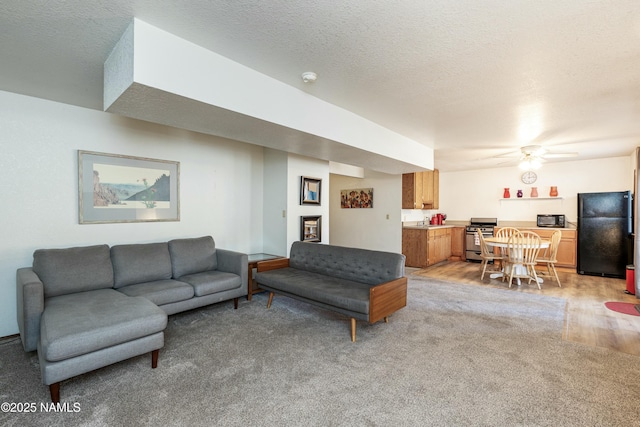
(368, 228)
(275, 202)
(221, 185)
(477, 193)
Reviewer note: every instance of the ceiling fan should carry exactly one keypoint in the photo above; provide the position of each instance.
(532, 156)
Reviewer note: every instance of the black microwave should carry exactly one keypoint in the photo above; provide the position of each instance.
(551, 220)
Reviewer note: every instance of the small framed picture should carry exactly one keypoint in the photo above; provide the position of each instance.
(311, 228)
(310, 191)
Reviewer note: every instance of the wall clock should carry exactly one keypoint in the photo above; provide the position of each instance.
(529, 177)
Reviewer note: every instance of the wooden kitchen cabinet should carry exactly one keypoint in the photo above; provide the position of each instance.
(427, 246)
(567, 250)
(414, 247)
(458, 236)
(421, 190)
(439, 246)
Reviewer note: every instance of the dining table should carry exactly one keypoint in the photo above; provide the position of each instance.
(503, 242)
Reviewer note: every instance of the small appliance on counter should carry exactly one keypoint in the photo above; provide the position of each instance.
(551, 220)
(438, 219)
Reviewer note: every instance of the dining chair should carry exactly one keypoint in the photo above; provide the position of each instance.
(505, 232)
(486, 253)
(522, 251)
(549, 257)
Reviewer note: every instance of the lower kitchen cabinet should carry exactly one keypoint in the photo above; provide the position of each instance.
(427, 246)
(566, 250)
(458, 236)
(414, 247)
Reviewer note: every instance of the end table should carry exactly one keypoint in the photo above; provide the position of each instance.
(254, 259)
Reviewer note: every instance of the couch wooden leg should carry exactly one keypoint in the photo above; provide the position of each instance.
(154, 358)
(270, 300)
(386, 319)
(353, 329)
(54, 389)
(235, 303)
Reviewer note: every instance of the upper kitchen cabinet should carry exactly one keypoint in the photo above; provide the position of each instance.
(421, 190)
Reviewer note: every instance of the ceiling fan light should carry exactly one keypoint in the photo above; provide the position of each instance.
(530, 163)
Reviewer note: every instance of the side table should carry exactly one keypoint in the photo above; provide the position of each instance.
(254, 259)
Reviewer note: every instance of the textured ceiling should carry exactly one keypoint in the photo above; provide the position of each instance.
(471, 78)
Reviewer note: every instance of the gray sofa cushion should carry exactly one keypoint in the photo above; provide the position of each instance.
(189, 256)
(65, 271)
(160, 292)
(358, 265)
(210, 282)
(81, 323)
(140, 263)
(333, 291)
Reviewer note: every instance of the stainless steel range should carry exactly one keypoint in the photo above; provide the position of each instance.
(472, 246)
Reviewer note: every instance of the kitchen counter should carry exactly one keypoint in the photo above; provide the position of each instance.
(428, 226)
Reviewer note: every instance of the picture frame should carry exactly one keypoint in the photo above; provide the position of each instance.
(117, 188)
(356, 198)
(310, 190)
(311, 228)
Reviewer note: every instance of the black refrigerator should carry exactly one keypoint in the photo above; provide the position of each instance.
(605, 227)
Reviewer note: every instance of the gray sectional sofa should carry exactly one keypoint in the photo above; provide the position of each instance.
(85, 308)
(359, 283)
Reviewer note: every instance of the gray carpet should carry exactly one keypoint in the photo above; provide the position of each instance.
(457, 355)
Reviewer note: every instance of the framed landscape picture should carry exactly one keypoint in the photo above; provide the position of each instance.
(116, 188)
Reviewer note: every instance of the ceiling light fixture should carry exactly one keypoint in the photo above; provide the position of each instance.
(309, 77)
(530, 162)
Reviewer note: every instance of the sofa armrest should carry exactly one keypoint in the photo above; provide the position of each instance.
(233, 262)
(272, 264)
(387, 298)
(30, 305)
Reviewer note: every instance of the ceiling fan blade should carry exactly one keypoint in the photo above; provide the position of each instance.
(552, 155)
(510, 154)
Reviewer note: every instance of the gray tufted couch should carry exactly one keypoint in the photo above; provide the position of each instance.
(359, 283)
(85, 308)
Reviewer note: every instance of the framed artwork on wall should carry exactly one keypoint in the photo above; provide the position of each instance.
(117, 188)
(311, 228)
(356, 198)
(310, 190)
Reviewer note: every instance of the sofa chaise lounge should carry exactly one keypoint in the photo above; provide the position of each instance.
(84, 308)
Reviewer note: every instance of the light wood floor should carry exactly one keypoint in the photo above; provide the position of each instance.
(587, 320)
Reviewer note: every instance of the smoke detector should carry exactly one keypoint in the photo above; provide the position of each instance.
(309, 77)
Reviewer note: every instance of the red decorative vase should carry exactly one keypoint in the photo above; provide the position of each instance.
(554, 191)
(506, 194)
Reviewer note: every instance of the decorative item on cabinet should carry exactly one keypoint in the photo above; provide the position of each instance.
(554, 191)
(534, 191)
(506, 193)
(519, 194)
